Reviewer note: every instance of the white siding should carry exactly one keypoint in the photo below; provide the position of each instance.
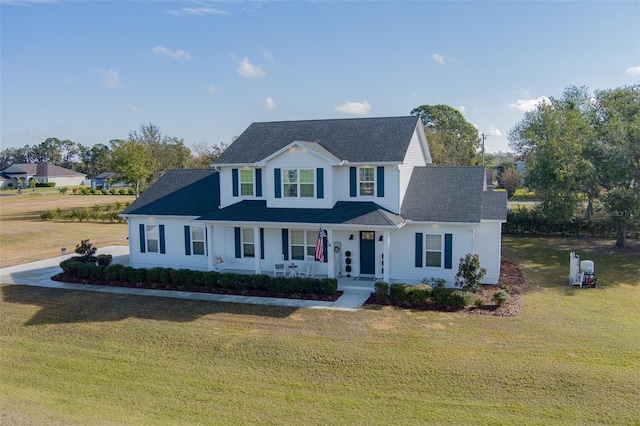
(299, 158)
(67, 181)
(341, 187)
(415, 157)
(402, 253)
(175, 256)
(488, 241)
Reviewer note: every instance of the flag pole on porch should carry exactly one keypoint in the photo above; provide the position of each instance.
(320, 245)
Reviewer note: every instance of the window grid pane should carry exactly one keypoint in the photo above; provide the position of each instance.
(433, 242)
(306, 176)
(197, 234)
(297, 237)
(307, 190)
(247, 235)
(198, 247)
(291, 176)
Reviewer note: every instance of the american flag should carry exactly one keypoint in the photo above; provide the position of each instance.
(320, 245)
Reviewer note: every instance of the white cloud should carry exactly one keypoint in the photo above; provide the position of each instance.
(212, 89)
(247, 69)
(495, 132)
(354, 108)
(462, 109)
(178, 54)
(525, 105)
(632, 71)
(135, 108)
(270, 103)
(110, 79)
(197, 11)
(438, 58)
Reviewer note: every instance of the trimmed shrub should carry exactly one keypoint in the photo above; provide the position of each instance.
(459, 299)
(104, 259)
(112, 272)
(127, 274)
(123, 191)
(329, 286)
(418, 293)
(153, 274)
(211, 279)
(398, 292)
(71, 265)
(479, 302)
(500, 297)
(381, 288)
(140, 275)
(470, 273)
(45, 184)
(165, 276)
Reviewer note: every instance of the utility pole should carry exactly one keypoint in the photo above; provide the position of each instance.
(483, 138)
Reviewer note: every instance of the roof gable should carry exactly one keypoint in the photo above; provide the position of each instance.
(42, 169)
(314, 147)
(354, 140)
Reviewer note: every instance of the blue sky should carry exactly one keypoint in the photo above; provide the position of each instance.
(203, 71)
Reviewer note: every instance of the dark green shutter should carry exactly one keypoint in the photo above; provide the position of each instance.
(206, 240)
(418, 250)
(187, 240)
(277, 183)
(320, 183)
(325, 244)
(258, 182)
(235, 181)
(380, 182)
(162, 242)
(353, 182)
(285, 243)
(238, 243)
(261, 243)
(143, 243)
(448, 240)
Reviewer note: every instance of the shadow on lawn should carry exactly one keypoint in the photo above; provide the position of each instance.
(61, 306)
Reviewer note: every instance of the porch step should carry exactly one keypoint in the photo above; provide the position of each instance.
(357, 288)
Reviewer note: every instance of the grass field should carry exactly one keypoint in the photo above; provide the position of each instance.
(571, 357)
(25, 237)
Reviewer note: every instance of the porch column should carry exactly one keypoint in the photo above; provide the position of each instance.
(211, 253)
(330, 255)
(256, 245)
(386, 238)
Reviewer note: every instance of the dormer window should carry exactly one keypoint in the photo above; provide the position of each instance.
(246, 182)
(367, 181)
(298, 183)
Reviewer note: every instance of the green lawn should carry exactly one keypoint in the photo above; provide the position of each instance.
(571, 357)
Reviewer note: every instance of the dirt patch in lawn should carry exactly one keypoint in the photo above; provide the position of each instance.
(511, 280)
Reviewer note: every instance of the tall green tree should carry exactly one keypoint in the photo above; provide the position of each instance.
(204, 155)
(132, 161)
(617, 155)
(453, 141)
(554, 139)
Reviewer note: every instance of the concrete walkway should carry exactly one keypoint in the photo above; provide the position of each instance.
(39, 274)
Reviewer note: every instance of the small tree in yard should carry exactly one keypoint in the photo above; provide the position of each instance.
(87, 251)
(470, 273)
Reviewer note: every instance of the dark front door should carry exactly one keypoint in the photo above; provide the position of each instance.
(367, 253)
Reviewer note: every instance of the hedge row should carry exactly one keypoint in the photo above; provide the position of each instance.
(96, 213)
(186, 279)
(401, 294)
(533, 221)
(45, 184)
(112, 191)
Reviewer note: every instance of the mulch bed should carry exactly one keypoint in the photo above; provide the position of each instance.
(511, 280)
(62, 277)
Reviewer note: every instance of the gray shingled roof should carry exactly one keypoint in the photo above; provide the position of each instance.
(494, 205)
(189, 192)
(444, 194)
(344, 212)
(41, 169)
(354, 139)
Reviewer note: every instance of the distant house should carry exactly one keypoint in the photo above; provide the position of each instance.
(106, 180)
(40, 172)
(349, 196)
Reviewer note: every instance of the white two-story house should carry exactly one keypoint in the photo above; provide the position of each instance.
(387, 213)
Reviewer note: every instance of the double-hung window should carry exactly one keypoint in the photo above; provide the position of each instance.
(299, 183)
(246, 182)
(433, 250)
(303, 243)
(248, 243)
(197, 240)
(367, 179)
(153, 237)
